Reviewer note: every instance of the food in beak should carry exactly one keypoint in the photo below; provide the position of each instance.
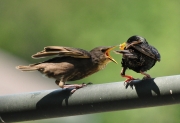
(122, 46)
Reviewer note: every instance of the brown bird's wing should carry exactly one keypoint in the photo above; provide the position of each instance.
(148, 50)
(62, 51)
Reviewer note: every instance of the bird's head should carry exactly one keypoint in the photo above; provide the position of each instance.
(136, 38)
(131, 40)
(102, 54)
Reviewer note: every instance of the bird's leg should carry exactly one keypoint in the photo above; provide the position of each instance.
(62, 84)
(75, 86)
(129, 78)
(130, 81)
(146, 76)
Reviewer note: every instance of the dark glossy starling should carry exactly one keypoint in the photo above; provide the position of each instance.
(138, 56)
(70, 63)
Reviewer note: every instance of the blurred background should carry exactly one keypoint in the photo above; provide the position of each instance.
(28, 26)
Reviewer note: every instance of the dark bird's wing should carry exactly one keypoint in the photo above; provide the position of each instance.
(148, 50)
(127, 54)
(62, 51)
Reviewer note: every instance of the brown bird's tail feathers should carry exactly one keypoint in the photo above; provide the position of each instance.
(26, 68)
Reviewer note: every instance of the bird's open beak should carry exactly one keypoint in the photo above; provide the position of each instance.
(108, 54)
(122, 46)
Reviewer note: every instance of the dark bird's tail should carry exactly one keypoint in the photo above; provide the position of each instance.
(27, 68)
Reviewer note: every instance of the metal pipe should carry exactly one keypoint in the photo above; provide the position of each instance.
(93, 98)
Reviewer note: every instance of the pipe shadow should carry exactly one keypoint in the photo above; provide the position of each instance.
(54, 100)
(146, 88)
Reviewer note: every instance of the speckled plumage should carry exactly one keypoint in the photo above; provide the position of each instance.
(139, 61)
(138, 56)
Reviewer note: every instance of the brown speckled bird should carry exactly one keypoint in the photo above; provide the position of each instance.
(138, 56)
(70, 63)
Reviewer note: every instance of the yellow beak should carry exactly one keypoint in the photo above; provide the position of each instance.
(108, 54)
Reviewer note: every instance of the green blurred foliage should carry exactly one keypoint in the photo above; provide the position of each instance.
(26, 26)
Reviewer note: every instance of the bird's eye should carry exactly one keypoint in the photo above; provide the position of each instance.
(103, 50)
